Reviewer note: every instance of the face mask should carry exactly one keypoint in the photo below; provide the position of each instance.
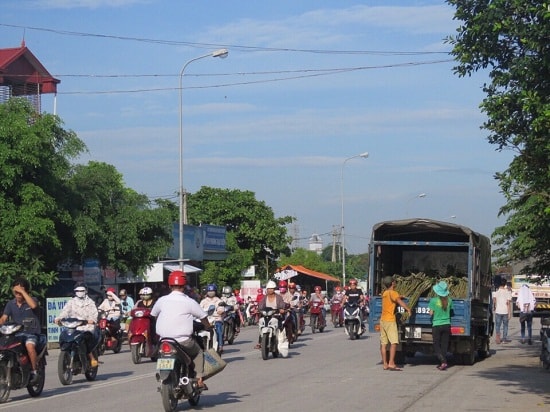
(210, 294)
(80, 294)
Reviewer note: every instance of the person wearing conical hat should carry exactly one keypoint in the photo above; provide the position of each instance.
(440, 309)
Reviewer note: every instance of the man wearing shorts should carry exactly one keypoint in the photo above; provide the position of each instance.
(388, 323)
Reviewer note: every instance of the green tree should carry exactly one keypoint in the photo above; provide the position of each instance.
(511, 38)
(35, 154)
(115, 224)
(251, 229)
(311, 260)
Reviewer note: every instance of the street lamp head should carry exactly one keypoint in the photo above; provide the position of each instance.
(364, 155)
(221, 53)
(422, 195)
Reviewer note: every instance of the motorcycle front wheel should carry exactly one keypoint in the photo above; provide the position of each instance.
(265, 346)
(314, 323)
(136, 353)
(4, 384)
(169, 400)
(64, 371)
(36, 388)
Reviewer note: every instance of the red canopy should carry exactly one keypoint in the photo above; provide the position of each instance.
(305, 271)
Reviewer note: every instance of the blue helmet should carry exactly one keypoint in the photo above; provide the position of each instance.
(211, 287)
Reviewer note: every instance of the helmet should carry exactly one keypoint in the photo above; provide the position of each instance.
(270, 285)
(298, 288)
(211, 287)
(353, 282)
(317, 288)
(110, 290)
(282, 283)
(291, 285)
(177, 278)
(146, 293)
(226, 291)
(80, 286)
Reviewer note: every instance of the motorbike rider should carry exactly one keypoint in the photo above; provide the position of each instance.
(260, 295)
(82, 307)
(355, 295)
(146, 301)
(211, 299)
(338, 297)
(231, 300)
(23, 310)
(317, 296)
(304, 300)
(292, 299)
(175, 315)
(111, 307)
(271, 300)
(127, 303)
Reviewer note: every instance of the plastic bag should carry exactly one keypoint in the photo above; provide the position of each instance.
(282, 343)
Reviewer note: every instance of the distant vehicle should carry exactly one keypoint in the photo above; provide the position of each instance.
(540, 288)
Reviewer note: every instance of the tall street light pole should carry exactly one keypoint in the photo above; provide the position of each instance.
(222, 53)
(364, 156)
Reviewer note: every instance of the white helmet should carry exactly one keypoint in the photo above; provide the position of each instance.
(146, 293)
(271, 285)
(226, 291)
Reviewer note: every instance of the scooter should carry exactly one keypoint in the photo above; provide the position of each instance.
(176, 373)
(316, 317)
(141, 336)
(110, 334)
(545, 339)
(209, 338)
(73, 358)
(15, 365)
(229, 325)
(269, 332)
(336, 313)
(353, 320)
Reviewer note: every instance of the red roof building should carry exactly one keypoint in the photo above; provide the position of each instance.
(22, 75)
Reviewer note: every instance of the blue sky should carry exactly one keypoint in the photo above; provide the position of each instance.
(306, 85)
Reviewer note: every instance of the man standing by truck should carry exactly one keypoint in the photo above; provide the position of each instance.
(502, 306)
(388, 323)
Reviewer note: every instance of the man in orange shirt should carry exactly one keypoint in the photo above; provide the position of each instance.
(388, 323)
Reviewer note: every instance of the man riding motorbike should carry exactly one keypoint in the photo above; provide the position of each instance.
(231, 300)
(355, 295)
(175, 315)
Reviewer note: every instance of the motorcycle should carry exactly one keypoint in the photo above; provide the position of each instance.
(73, 358)
(254, 314)
(545, 340)
(229, 324)
(353, 321)
(110, 334)
(208, 338)
(336, 313)
(176, 374)
(316, 317)
(140, 335)
(269, 332)
(15, 365)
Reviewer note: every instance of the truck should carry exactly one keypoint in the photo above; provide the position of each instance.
(432, 251)
(540, 286)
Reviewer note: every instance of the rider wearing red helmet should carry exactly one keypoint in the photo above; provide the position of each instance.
(175, 315)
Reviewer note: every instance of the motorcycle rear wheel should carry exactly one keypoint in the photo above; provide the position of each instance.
(265, 346)
(36, 388)
(136, 353)
(4, 384)
(64, 371)
(169, 401)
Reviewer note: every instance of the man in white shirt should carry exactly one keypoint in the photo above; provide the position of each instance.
(175, 315)
(502, 306)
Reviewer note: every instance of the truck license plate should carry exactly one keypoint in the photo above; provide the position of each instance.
(165, 364)
(413, 333)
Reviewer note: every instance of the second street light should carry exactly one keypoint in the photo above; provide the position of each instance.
(364, 156)
(218, 53)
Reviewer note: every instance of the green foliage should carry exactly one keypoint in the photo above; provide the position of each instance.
(510, 38)
(251, 227)
(35, 153)
(115, 224)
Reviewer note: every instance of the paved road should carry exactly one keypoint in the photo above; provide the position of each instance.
(324, 371)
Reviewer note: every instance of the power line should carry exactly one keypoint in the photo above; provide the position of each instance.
(218, 45)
